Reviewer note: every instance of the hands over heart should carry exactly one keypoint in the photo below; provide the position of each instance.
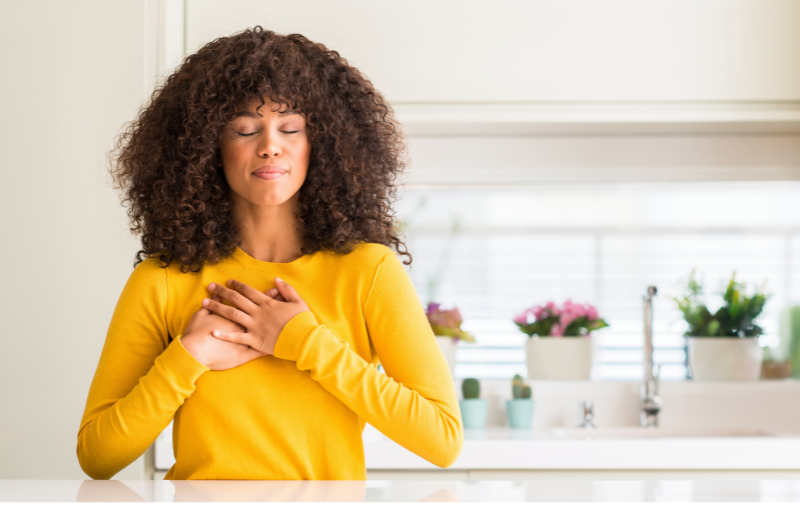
(262, 315)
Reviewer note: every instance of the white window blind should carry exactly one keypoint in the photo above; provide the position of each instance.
(493, 252)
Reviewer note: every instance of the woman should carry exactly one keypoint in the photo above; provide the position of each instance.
(260, 178)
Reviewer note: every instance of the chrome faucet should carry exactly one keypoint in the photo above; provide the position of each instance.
(587, 411)
(651, 402)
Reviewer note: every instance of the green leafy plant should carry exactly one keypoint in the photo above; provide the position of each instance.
(520, 390)
(733, 319)
(471, 389)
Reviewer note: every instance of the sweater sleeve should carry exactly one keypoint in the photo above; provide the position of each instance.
(414, 403)
(140, 381)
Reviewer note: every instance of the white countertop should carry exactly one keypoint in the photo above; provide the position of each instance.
(503, 448)
(399, 491)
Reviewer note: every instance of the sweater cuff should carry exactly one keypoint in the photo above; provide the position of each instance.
(294, 335)
(177, 359)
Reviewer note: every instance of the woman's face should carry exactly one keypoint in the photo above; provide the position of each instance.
(265, 154)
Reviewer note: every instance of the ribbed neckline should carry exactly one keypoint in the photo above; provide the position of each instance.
(266, 266)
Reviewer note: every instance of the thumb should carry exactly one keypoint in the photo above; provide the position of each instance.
(287, 291)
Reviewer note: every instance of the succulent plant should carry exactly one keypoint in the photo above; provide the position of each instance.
(519, 389)
(471, 388)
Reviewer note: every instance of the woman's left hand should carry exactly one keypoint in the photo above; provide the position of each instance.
(262, 316)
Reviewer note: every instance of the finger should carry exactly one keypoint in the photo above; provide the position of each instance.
(246, 290)
(208, 312)
(275, 295)
(234, 336)
(236, 298)
(288, 292)
(228, 312)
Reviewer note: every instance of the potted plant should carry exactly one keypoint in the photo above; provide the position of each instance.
(520, 408)
(723, 345)
(473, 408)
(559, 344)
(446, 326)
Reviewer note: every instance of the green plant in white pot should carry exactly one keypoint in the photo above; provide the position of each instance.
(723, 345)
(560, 344)
(520, 408)
(474, 409)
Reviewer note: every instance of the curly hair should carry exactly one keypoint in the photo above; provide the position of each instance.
(166, 161)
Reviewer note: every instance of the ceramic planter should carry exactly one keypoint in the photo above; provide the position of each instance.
(520, 412)
(448, 346)
(725, 358)
(559, 358)
(474, 412)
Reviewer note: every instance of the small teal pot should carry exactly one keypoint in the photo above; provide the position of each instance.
(473, 412)
(520, 412)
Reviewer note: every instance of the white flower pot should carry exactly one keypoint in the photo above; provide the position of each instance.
(725, 358)
(448, 346)
(559, 358)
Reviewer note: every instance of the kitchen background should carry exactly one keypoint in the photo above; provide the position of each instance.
(558, 149)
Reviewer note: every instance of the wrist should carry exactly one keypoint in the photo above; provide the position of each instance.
(191, 344)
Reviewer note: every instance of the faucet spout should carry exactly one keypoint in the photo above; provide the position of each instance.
(651, 402)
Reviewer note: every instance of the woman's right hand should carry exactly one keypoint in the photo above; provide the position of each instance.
(212, 352)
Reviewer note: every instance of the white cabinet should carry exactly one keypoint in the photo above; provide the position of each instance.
(529, 51)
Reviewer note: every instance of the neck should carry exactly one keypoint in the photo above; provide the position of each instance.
(270, 232)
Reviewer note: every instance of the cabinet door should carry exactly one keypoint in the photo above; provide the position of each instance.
(541, 50)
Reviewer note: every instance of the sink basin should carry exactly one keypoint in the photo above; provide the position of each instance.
(637, 432)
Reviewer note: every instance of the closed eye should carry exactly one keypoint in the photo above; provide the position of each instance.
(246, 134)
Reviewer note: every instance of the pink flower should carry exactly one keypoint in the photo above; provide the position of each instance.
(522, 317)
(552, 309)
(591, 313)
(557, 330)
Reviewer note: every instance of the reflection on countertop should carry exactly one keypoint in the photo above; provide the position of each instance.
(399, 491)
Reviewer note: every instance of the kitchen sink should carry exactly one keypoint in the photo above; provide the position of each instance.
(633, 432)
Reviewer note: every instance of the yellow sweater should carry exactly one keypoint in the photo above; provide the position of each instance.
(296, 415)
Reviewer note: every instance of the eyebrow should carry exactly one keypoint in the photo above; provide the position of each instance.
(255, 115)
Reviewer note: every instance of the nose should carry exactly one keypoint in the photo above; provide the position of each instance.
(269, 147)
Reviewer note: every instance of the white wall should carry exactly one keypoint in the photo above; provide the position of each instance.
(73, 72)
(541, 50)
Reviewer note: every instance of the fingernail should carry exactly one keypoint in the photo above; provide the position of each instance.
(279, 279)
(216, 333)
(230, 282)
(205, 302)
(212, 286)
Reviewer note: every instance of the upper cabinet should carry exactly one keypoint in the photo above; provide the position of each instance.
(503, 53)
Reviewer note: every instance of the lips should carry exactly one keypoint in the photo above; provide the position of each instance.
(270, 172)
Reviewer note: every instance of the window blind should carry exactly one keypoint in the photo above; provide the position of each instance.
(493, 252)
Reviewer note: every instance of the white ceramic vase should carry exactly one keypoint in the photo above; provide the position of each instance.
(448, 346)
(559, 358)
(725, 358)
